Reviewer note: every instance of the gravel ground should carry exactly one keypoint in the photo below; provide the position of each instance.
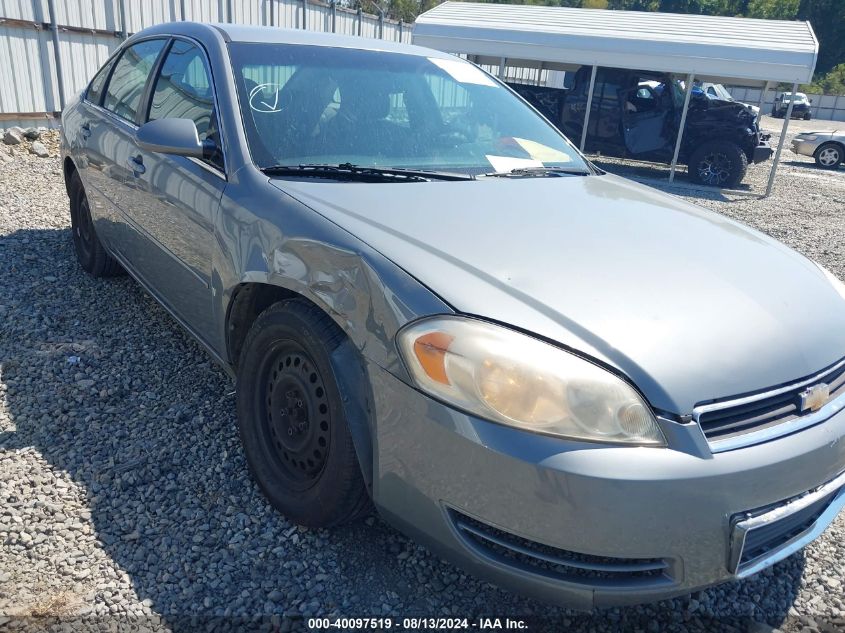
(124, 496)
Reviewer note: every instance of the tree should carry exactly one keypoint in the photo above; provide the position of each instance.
(773, 9)
(828, 20)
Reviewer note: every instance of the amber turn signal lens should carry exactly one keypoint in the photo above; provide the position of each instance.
(430, 350)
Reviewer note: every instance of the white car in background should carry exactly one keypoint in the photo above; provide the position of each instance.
(718, 91)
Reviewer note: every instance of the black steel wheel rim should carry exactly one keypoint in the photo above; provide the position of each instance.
(715, 168)
(296, 420)
(83, 229)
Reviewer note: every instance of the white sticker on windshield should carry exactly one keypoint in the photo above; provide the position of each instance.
(507, 163)
(462, 72)
(265, 98)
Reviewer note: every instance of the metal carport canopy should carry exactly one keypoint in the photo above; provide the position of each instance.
(709, 46)
(738, 50)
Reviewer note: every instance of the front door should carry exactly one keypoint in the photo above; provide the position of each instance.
(644, 119)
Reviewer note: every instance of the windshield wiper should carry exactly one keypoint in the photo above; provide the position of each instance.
(539, 172)
(348, 171)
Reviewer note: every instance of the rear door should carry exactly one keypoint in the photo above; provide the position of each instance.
(111, 132)
(105, 127)
(175, 199)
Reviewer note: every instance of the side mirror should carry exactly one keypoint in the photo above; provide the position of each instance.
(171, 136)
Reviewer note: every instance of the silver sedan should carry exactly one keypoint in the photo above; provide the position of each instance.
(568, 383)
(828, 148)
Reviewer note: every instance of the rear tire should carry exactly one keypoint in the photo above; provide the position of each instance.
(292, 419)
(808, 116)
(829, 156)
(90, 253)
(718, 164)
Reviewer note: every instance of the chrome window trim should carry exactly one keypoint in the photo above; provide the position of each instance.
(742, 528)
(208, 167)
(764, 435)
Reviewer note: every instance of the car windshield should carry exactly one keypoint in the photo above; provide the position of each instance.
(325, 105)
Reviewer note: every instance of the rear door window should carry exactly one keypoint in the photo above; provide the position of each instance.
(94, 94)
(127, 82)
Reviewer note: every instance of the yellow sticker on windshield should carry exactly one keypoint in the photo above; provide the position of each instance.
(542, 153)
(462, 72)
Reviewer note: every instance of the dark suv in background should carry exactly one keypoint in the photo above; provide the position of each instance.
(801, 108)
(637, 114)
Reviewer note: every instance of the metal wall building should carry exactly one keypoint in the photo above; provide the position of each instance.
(49, 49)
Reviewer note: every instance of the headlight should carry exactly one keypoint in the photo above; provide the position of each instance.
(514, 379)
(811, 137)
(833, 279)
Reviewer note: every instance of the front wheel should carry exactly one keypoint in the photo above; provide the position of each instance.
(829, 156)
(808, 116)
(292, 419)
(718, 164)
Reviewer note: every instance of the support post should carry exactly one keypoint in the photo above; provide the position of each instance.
(762, 101)
(124, 32)
(272, 13)
(502, 62)
(401, 29)
(57, 54)
(229, 11)
(334, 15)
(687, 94)
(304, 14)
(781, 141)
(360, 21)
(380, 23)
(589, 107)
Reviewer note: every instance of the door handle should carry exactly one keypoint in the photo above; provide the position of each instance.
(85, 130)
(136, 163)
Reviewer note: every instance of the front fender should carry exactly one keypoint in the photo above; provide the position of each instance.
(268, 237)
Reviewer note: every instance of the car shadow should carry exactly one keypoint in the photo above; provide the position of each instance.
(107, 389)
(808, 164)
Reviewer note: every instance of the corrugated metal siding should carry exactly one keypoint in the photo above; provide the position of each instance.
(32, 87)
(775, 50)
(29, 50)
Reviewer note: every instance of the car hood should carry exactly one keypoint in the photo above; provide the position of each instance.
(690, 305)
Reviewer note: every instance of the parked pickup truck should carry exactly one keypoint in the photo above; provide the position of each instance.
(637, 114)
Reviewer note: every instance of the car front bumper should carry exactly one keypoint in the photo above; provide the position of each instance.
(804, 147)
(797, 110)
(763, 151)
(444, 477)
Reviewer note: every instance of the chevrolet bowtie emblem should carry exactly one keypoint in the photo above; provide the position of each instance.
(815, 397)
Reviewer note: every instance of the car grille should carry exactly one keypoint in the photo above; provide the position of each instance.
(728, 420)
(514, 551)
(763, 540)
(764, 536)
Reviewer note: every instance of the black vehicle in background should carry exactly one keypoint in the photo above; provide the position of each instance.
(801, 108)
(637, 114)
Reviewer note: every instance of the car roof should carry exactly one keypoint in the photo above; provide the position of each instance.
(277, 35)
